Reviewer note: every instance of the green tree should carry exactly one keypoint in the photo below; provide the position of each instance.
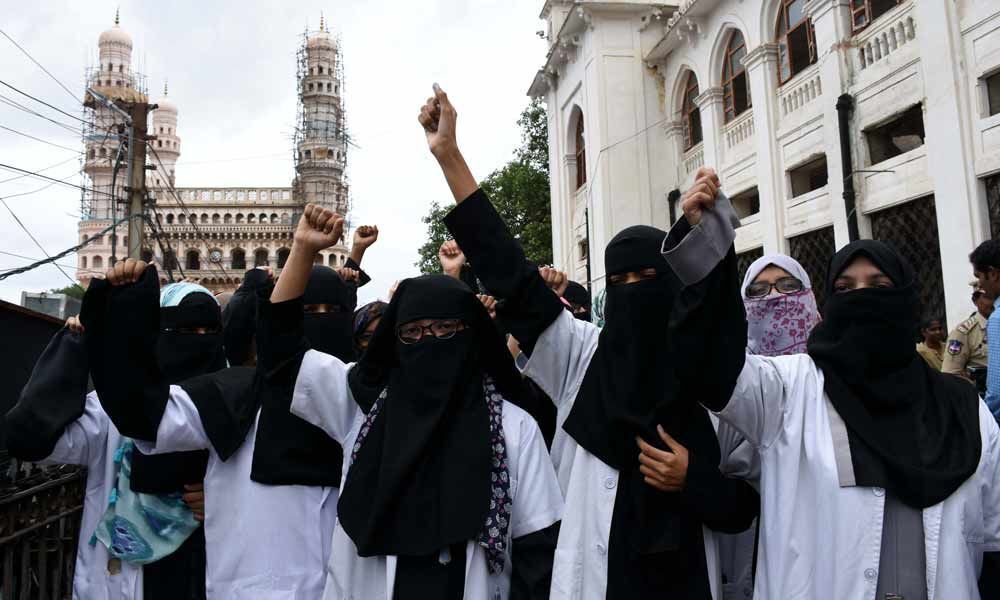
(519, 191)
(73, 291)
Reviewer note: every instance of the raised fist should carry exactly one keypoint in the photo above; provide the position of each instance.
(365, 236)
(556, 280)
(319, 228)
(490, 303)
(438, 118)
(451, 257)
(347, 274)
(125, 271)
(74, 324)
(701, 196)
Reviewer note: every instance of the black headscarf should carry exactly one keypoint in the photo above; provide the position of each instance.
(578, 295)
(289, 450)
(239, 318)
(911, 429)
(363, 318)
(630, 388)
(421, 480)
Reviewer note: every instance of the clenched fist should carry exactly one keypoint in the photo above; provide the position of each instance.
(126, 271)
(557, 281)
(701, 196)
(451, 258)
(365, 236)
(439, 118)
(319, 228)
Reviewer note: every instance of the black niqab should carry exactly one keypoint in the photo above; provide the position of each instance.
(421, 479)
(578, 295)
(239, 318)
(912, 430)
(630, 388)
(289, 450)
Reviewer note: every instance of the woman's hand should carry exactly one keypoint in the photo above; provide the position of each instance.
(318, 228)
(701, 196)
(194, 497)
(665, 471)
(125, 272)
(452, 258)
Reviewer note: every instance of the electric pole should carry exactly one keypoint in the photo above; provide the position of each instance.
(138, 112)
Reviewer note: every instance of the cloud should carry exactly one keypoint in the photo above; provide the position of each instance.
(231, 68)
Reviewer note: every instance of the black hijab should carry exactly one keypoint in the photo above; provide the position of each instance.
(421, 480)
(289, 450)
(239, 318)
(630, 388)
(911, 429)
(578, 295)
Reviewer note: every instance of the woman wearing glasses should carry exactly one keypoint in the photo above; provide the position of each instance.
(781, 308)
(448, 491)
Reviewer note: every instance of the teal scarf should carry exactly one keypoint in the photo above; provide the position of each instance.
(141, 528)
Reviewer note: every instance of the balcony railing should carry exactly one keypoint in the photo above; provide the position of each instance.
(888, 34)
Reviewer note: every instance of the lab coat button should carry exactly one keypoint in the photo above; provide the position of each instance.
(601, 549)
(610, 483)
(869, 573)
(878, 491)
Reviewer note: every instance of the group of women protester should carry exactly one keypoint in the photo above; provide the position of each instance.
(478, 437)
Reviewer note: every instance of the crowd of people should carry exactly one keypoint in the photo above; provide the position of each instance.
(477, 436)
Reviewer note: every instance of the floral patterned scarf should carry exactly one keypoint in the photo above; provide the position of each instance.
(779, 325)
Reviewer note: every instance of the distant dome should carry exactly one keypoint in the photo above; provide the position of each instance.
(115, 35)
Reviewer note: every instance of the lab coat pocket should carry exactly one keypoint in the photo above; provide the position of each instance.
(973, 524)
(567, 575)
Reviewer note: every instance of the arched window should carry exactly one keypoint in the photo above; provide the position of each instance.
(735, 85)
(691, 114)
(274, 219)
(204, 218)
(332, 260)
(170, 219)
(286, 219)
(216, 219)
(863, 12)
(227, 219)
(193, 262)
(146, 255)
(239, 219)
(262, 219)
(98, 262)
(83, 262)
(318, 260)
(169, 260)
(181, 219)
(239, 259)
(580, 150)
(796, 39)
(282, 257)
(260, 258)
(251, 218)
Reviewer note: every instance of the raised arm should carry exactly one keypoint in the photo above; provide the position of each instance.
(364, 237)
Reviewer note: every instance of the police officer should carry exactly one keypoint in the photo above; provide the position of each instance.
(966, 346)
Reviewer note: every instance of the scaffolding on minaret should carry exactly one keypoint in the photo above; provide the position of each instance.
(321, 137)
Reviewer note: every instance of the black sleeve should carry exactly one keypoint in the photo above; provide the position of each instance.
(989, 577)
(54, 397)
(724, 504)
(121, 326)
(532, 556)
(709, 329)
(363, 278)
(529, 306)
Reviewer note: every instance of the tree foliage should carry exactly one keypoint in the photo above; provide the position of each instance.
(73, 291)
(519, 191)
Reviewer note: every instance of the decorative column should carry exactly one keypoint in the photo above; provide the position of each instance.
(761, 64)
(960, 198)
(709, 103)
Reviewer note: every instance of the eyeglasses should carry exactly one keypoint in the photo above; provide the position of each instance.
(321, 308)
(411, 333)
(785, 285)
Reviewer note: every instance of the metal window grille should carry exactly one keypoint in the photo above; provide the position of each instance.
(813, 250)
(744, 259)
(912, 230)
(993, 204)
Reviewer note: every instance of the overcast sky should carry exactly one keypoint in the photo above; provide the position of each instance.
(231, 69)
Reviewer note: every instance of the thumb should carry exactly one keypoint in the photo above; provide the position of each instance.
(442, 96)
(669, 441)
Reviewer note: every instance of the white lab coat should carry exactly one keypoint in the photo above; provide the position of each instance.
(262, 542)
(91, 441)
(323, 398)
(821, 539)
(558, 364)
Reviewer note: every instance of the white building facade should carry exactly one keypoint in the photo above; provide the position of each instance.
(208, 234)
(794, 102)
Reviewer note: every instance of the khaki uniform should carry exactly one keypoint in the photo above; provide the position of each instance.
(935, 358)
(966, 346)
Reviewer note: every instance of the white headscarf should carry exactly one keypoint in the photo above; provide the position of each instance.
(779, 325)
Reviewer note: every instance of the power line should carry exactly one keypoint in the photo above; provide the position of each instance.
(53, 179)
(20, 106)
(34, 239)
(40, 139)
(60, 163)
(67, 251)
(55, 108)
(39, 65)
(31, 258)
(35, 191)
